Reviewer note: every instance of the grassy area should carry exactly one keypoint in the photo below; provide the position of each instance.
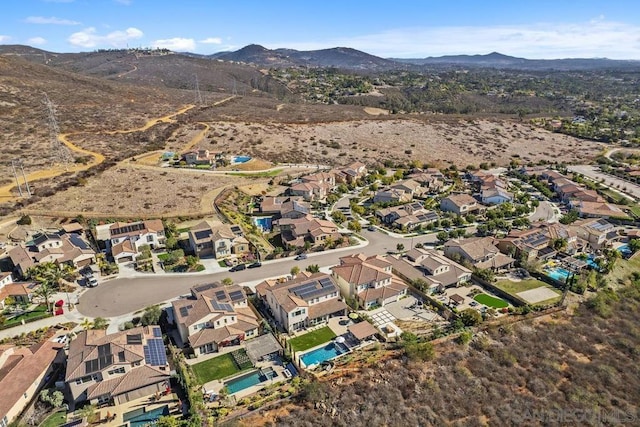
(616, 197)
(40, 312)
(217, 368)
(54, 420)
(513, 288)
(163, 257)
(635, 210)
(267, 174)
(490, 301)
(623, 269)
(312, 339)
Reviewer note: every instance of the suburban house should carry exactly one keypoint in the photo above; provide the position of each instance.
(123, 240)
(597, 231)
(351, 173)
(199, 157)
(292, 207)
(538, 241)
(314, 187)
(430, 179)
(20, 292)
(438, 271)
(295, 232)
(217, 240)
(22, 375)
(409, 216)
(392, 195)
(117, 368)
(368, 280)
(71, 249)
(492, 189)
(460, 204)
(479, 252)
(303, 301)
(599, 210)
(214, 316)
(5, 279)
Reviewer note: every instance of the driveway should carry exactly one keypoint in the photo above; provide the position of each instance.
(546, 211)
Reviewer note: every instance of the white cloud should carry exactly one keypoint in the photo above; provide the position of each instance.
(596, 38)
(89, 37)
(4, 39)
(178, 44)
(211, 40)
(49, 20)
(36, 41)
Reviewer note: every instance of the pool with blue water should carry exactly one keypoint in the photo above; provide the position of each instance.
(146, 418)
(322, 354)
(249, 380)
(263, 222)
(557, 273)
(240, 159)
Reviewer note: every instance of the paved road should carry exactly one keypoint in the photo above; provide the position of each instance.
(545, 211)
(120, 296)
(594, 172)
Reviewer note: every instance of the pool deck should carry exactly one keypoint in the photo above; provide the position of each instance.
(145, 402)
(216, 385)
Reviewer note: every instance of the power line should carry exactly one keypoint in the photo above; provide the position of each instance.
(199, 100)
(60, 151)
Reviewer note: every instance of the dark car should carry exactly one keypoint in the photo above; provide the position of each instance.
(238, 267)
(255, 265)
(300, 257)
(371, 228)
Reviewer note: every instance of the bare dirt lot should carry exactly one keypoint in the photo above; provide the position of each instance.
(134, 191)
(461, 142)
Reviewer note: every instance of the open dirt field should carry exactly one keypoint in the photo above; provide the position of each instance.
(133, 191)
(461, 142)
(536, 295)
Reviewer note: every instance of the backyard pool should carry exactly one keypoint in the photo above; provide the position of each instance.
(240, 159)
(322, 354)
(557, 273)
(263, 223)
(249, 380)
(591, 262)
(624, 250)
(140, 418)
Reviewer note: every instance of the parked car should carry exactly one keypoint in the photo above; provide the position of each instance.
(256, 264)
(371, 228)
(301, 257)
(238, 267)
(92, 282)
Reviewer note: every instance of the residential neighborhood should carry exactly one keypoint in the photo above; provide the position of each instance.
(285, 285)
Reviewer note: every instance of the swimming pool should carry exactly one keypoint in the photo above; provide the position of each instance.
(591, 262)
(240, 159)
(557, 273)
(137, 419)
(263, 222)
(322, 354)
(624, 250)
(249, 380)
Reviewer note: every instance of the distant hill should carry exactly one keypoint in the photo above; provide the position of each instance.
(498, 60)
(338, 57)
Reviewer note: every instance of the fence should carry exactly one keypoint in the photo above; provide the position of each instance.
(100, 215)
(513, 299)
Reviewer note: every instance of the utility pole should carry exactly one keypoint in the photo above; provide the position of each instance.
(15, 174)
(26, 183)
(234, 91)
(60, 150)
(199, 100)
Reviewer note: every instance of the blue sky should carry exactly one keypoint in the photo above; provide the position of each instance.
(409, 28)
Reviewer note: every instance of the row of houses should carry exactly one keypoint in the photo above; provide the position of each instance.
(317, 186)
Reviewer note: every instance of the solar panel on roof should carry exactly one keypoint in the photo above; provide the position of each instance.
(78, 242)
(221, 305)
(203, 234)
(236, 295)
(157, 332)
(184, 311)
(326, 282)
(154, 352)
(134, 339)
(220, 295)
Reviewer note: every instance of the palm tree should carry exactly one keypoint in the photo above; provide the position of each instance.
(44, 291)
(86, 324)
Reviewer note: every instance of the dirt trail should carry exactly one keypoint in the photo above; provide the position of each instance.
(97, 158)
(196, 139)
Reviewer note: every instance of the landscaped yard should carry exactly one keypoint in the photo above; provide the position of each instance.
(513, 288)
(312, 339)
(490, 301)
(55, 420)
(40, 312)
(623, 269)
(218, 367)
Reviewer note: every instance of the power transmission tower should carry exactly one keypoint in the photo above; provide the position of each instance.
(234, 91)
(199, 100)
(26, 183)
(15, 174)
(61, 152)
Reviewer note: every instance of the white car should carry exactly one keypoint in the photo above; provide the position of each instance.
(92, 282)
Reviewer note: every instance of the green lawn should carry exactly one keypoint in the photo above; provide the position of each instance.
(55, 420)
(39, 312)
(163, 257)
(635, 210)
(524, 285)
(490, 301)
(217, 368)
(521, 286)
(312, 339)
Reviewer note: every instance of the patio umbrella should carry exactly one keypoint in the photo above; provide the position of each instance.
(340, 340)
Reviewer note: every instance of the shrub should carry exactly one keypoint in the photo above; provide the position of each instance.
(24, 220)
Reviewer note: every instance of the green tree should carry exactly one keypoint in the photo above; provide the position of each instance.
(100, 323)
(634, 245)
(400, 247)
(86, 324)
(338, 217)
(88, 412)
(171, 243)
(227, 281)
(442, 236)
(354, 226)
(24, 220)
(313, 268)
(167, 421)
(470, 317)
(295, 270)
(54, 398)
(44, 291)
(192, 261)
(151, 315)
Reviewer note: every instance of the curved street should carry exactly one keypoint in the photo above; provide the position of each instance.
(121, 296)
